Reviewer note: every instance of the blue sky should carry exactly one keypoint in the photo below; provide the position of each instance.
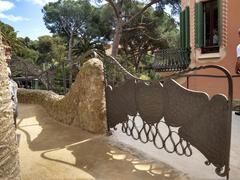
(25, 16)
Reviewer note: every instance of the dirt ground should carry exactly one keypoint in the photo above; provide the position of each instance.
(50, 150)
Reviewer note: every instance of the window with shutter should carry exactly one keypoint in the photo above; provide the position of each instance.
(207, 26)
(199, 24)
(187, 31)
(184, 28)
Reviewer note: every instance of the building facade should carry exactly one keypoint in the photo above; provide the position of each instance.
(210, 29)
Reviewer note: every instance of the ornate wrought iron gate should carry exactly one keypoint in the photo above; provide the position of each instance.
(170, 116)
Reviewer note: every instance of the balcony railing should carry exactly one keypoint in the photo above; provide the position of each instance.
(167, 60)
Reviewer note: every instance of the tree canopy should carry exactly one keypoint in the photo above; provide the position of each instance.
(149, 32)
(136, 28)
(124, 15)
(77, 20)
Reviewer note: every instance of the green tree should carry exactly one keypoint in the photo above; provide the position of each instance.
(59, 55)
(44, 47)
(98, 34)
(21, 47)
(124, 17)
(29, 56)
(149, 32)
(28, 50)
(67, 18)
(10, 37)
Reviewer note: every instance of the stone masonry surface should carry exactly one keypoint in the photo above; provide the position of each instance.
(83, 106)
(9, 160)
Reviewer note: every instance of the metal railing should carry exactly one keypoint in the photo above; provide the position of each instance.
(138, 106)
(189, 76)
(166, 60)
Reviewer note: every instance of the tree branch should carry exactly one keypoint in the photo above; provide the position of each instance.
(114, 6)
(64, 25)
(142, 11)
(134, 28)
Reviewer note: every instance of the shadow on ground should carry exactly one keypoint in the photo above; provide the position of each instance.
(56, 144)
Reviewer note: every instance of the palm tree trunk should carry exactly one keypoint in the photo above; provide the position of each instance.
(9, 160)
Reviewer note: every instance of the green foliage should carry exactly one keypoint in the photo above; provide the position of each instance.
(79, 21)
(126, 12)
(80, 18)
(93, 27)
(147, 33)
(59, 49)
(144, 77)
(67, 16)
(10, 37)
(44, 47)
(29, 54)
(160, 4)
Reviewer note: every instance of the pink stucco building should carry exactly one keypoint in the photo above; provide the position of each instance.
(210, 29)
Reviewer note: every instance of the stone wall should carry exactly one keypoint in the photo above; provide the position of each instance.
(9, 160)
(83, 106)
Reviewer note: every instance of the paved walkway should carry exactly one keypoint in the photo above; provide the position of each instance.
(49, 150)
(193, 166)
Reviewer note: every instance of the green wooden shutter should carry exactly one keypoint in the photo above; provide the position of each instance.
(219, 22)
(199, 24)
(182, 28)
(187, 28)
(196, 24)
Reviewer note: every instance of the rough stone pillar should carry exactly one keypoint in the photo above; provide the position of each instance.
(9, 160)
(92, 102)
(83, 106)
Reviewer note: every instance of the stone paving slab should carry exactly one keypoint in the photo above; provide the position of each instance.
(50, 150)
